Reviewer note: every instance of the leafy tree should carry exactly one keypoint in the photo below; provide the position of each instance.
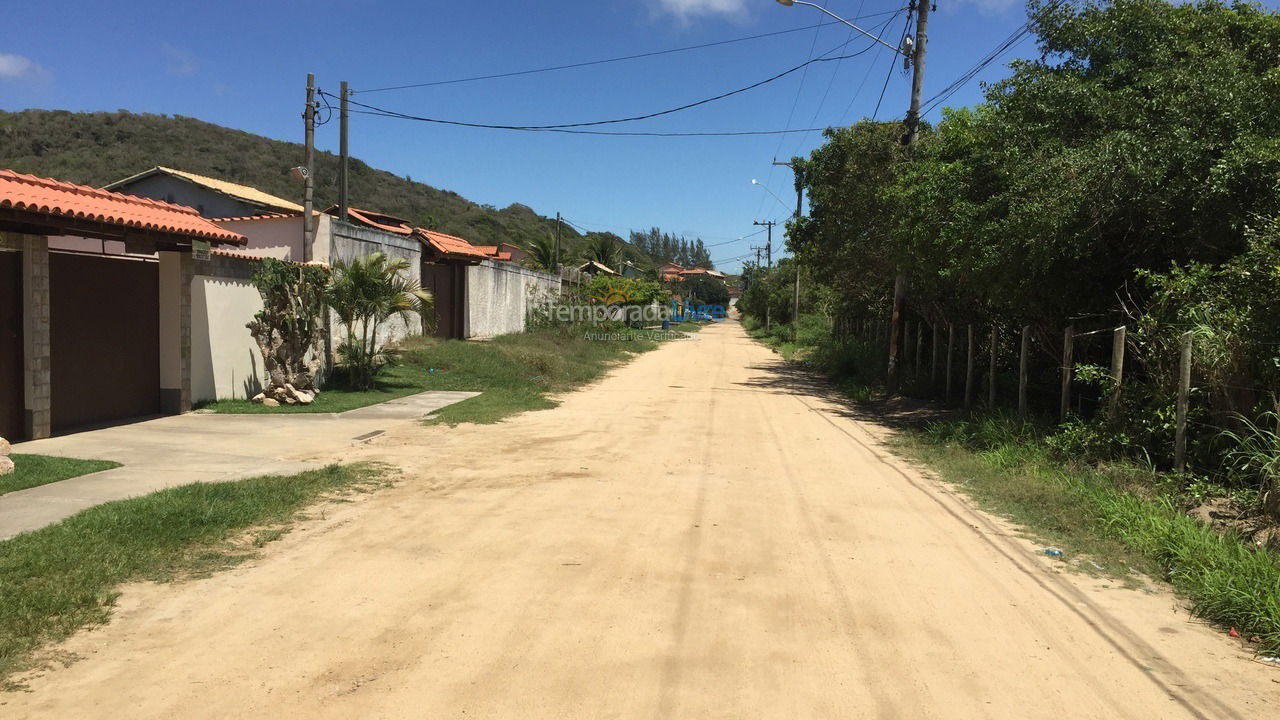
(289, 328)
(366, 292)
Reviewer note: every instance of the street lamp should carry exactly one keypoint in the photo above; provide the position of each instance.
(771, 192)
(789, 3)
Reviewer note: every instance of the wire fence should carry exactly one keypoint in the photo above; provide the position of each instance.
(1077, 373)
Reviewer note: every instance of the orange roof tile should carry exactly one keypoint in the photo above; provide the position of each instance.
(63, 199)
(450, 246)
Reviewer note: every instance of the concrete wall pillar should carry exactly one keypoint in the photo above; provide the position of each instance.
(37, 388)
(177, 270)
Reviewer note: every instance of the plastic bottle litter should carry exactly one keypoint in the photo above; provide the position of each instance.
(1053, 552)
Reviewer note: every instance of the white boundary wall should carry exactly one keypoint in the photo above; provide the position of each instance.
(500, 295)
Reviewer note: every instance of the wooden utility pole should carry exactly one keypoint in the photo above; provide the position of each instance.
(557, 258)
(344, 200)
(991, 373)
(917, 70)
(921, 8)
(968, 376)
(309, 163)
(1184, 395)
(768, 258)
(795, 311)
(1023, 358)
(1117, 364)
(768, 246)
(1064, 404)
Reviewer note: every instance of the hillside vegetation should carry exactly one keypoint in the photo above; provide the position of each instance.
(98, 148)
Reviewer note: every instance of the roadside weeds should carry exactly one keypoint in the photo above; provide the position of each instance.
(64, 577)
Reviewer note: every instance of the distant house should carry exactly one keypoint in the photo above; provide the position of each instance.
(591, 267)
(632, 270)
(670, 272)
(697, 271)
(211, 197)
(504, 252)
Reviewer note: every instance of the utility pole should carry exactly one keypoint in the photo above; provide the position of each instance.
(344, 200)
(921, 8)
(795, 310)
(557, 261)
(768, 247)
(309, 122)
(917, 70)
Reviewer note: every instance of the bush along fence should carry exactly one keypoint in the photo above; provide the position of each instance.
(1076, 374)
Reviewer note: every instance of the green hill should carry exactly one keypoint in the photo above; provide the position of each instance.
(97, 148)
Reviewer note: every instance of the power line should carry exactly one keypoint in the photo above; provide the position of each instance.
(737, 133)
(994, 54)
(832, 81)
(893, 61)
(633, 118)
(589, 63)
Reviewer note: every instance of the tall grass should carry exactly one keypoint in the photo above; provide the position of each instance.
(1010, 466)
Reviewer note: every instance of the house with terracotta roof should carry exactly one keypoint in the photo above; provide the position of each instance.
(95, 304)
(211, 197)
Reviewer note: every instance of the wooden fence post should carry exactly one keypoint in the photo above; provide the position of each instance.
(933, 371)
(951, 349)
(919, 347)
(1184, 392)
(1068, 336)
(1022, 370)
(1117, 364)
(968, 377)
(991, 373)
(906, 343)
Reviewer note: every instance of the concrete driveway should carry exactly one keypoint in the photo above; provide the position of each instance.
(181, 449)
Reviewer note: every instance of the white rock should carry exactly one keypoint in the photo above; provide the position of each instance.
(259, 397)
(304, 397)
(6, 464)
(4, 447)
(271, 402)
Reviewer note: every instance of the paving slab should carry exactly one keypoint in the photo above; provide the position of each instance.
(200, 447)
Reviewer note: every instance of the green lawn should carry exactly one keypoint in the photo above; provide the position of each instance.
(33, 470)
(58, 579)
(514, 372)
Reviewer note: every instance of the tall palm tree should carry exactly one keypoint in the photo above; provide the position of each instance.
(604, 250)
(542, 253)
(366, 292)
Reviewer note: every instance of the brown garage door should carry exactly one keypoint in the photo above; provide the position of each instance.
(447, 284)
(104, 343)
(12, 401)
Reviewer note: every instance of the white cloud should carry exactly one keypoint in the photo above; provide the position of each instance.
(178, 61)
(686, 9)
(18, 67)
(992, 7)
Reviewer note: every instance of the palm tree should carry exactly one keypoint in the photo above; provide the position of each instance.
(603, 250)
(542, 253)
(366, 292)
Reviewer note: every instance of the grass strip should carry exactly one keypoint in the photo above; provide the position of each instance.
(514, 372)
(58, 579)
(34, 470)
(1103, 513)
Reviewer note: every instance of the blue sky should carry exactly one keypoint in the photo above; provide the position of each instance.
(244, 64)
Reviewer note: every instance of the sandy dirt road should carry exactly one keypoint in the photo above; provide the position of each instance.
(702, 534)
